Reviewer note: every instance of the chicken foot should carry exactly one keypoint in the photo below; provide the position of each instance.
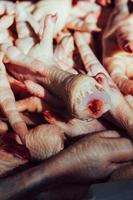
(95, 69)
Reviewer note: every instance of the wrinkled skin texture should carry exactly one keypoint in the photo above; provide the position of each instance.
(33, 63)
(68, 85)
(8, 106)
(94, 68)
(118, 47)
(124, 173)
(44, 141)
(39, 91)
(93, 157)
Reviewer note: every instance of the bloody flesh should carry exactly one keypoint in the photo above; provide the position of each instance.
(95, 106)
(74, 2)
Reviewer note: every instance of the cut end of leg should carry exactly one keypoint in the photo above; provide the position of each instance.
(98, 107)
(95, 106)
(88, 98)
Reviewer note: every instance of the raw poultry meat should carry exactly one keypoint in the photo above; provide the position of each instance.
(93, 157)
(53, 89)
(39, 91)
(118, 47)
(61, 7)
(94, 68)
(8, 106)
(44, 141)
(80, 93)
(75, 127)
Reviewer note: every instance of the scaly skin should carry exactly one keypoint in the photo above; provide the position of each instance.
(124, 173)
(80, 93)
(68, 86)
(44, 141)
(92, 158)
(37, 90)
(118, 47)
(7, 104)
(94, 68)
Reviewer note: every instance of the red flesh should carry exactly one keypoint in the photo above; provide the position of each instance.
(95, 106)
(74, 2)
(48, 115)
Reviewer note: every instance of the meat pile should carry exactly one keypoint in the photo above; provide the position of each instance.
(54, 88)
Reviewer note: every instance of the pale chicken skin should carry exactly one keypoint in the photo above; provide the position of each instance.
(80, 93)
(118, 47)
(8, 106)
(54, 91)
(45, 141)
